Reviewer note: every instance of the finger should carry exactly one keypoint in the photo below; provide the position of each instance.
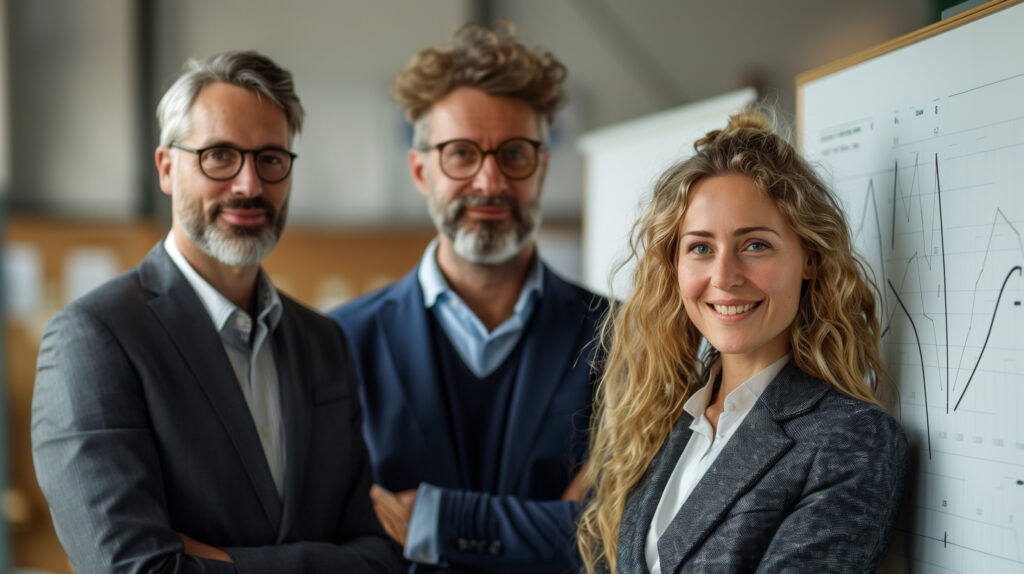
(391, 525)
(393, 506)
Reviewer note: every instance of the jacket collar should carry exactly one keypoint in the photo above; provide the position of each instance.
(757, 445)
(182, 315)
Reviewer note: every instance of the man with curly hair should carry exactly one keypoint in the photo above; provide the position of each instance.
(476, 366)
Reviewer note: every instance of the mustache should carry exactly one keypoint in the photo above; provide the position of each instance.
(457, 207)
(257, 202)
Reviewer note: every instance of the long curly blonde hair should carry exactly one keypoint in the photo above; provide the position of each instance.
(652, 352)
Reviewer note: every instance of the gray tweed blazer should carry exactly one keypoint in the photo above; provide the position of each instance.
(810, 482)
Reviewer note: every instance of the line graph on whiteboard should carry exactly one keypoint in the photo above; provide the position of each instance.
(937, 211)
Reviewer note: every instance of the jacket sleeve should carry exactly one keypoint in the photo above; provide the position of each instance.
(506, 534)
(845, 517)
(97, 463)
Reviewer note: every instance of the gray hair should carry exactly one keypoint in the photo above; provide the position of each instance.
(250, 70)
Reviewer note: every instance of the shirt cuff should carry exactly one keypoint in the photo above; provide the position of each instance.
(421, 543)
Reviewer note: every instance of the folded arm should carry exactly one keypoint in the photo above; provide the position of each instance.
(491, 533)
(98, 463)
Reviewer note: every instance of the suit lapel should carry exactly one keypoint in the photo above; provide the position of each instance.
(551, 347)
(189, 327)
(406, 328)
(757, 445)
(643, 500)
(296, 406)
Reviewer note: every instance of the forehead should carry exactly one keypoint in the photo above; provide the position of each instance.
(471, 114)
(730, 201)
(227, 113)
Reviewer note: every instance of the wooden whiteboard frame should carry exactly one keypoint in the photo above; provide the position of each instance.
(935, 29)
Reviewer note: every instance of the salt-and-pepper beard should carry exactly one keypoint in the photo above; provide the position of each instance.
(236, 246)
(481, 242)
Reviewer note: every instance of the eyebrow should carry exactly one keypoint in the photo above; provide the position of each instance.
(737, 233)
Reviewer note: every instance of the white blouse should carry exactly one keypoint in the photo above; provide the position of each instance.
(704, 447)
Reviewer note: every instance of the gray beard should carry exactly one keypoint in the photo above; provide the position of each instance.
(485, 244)
(239, 246)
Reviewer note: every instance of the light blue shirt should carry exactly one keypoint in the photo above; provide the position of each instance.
(483, 352)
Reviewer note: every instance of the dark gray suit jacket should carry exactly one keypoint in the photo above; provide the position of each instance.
(140, 431)
(810, 482)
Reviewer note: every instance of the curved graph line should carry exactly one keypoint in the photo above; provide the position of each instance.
(1016, 269)
(920, 354)
(974, 301)
(945, 296)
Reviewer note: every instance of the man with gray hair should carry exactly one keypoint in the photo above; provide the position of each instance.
(476, 366)
(187, 416)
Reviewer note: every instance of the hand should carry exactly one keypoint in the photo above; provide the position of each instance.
(199, 550)
(573, 492)
(393, 510)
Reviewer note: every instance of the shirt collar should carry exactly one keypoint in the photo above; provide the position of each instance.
(743, 397)
(434, 285)
(220, 309)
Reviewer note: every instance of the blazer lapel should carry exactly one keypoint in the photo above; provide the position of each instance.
(643, 500)
(296, 407)
(405, 324)
(186, 321)
(551, 347)
(757, 445)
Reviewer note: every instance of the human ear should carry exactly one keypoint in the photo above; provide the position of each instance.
(162, 156)
(417, 169)
(810, 270)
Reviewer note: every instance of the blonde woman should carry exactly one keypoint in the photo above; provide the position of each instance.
(767, 451)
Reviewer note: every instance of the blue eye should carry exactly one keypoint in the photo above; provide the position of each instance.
(757, 246)
(700, 249)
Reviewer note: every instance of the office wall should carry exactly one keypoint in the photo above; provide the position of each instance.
(73, 134)
(631, 59)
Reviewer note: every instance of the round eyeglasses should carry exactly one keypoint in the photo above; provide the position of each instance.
(460, 159)
(223, 162)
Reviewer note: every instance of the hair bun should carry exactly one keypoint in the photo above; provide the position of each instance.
(748, 119)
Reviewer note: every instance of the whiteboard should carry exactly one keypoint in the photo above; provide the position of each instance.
(622, 164)
(924, 143)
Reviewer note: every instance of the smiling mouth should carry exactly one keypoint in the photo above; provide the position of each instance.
(244, 216)
(489, 212)
(734, 309)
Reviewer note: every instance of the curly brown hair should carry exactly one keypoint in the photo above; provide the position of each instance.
(490, 60)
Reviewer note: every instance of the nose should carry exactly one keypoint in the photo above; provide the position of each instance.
(489, 180)
(727, 271)
(247, 183)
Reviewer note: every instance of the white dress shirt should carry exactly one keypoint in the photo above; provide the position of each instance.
(251, 354)
(703, 448)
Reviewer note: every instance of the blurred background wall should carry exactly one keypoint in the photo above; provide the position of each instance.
(79, 82)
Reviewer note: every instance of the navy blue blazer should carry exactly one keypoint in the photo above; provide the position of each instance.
(810, 482)
(522, 526)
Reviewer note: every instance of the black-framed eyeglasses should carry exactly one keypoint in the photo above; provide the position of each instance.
(222, 162)
(460, 159)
